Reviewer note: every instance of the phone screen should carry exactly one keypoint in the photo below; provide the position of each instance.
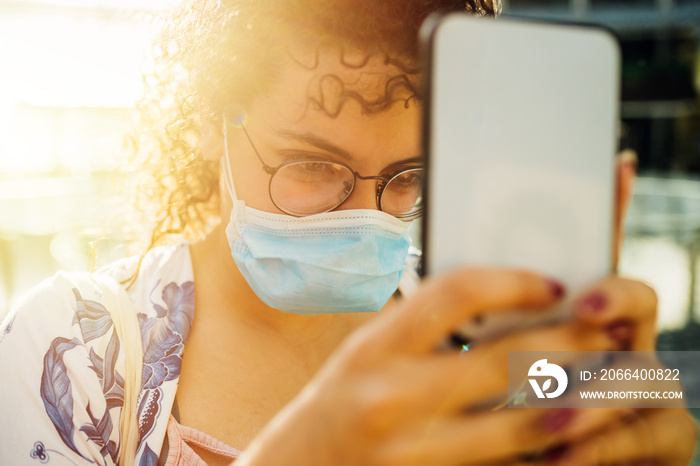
(520, 135)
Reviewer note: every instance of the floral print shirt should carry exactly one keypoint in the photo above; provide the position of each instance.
(62, 365)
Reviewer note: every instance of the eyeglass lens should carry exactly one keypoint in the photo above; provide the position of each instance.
(310, 187)
(402, 195)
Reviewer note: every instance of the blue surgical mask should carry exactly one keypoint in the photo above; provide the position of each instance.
(340, 261)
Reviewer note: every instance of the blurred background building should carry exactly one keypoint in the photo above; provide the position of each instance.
(71, 74)
(661, 122)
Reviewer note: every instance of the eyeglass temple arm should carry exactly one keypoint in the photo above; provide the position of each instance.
(268, 169)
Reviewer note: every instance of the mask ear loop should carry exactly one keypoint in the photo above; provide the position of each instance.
(226, 164)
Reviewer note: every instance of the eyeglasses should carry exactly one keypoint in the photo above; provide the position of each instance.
(310, 186)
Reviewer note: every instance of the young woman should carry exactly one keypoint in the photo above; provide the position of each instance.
(289, 154)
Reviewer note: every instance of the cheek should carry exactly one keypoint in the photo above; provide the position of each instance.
(250, 181)
(252, 186)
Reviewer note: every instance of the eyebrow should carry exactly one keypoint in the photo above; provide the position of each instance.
(325, 144)
(316, 141)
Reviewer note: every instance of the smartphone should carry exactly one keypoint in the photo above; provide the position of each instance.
(520, 131)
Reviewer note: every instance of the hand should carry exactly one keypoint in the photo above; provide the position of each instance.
(386, 397)
(626, 310)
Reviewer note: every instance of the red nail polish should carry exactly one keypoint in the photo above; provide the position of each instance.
(621, 330)
(557, 419)
(647, 462)
(592, 304)
(557, 454)
(556, 288)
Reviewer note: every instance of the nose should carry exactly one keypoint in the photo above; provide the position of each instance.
(363, 196)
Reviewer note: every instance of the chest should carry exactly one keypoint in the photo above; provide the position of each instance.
(230, 388)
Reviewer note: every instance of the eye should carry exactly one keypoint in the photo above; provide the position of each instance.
(407, 181)
(315, 166)
(314, 171)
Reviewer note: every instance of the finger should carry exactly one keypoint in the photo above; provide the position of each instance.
(421, 323)
(488, 362)
(626, 309)
(449, 383)
(506, 436)
(659, 436)
(502, 437)
(451, 441)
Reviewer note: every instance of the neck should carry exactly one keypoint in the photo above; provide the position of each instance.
(222, 293)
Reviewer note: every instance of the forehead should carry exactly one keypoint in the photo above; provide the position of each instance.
(344, 95)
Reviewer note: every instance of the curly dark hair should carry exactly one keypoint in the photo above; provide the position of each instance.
(210, 56)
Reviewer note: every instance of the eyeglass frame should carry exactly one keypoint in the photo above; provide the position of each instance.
(383, 181)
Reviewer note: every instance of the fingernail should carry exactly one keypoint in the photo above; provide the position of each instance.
(646, 462)
(621, 330)
(592, 304)
(557, 419)
(557, 454)
(556, 288)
